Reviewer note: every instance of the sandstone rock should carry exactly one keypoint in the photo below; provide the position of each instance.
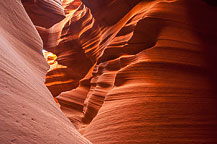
(139, 71)
(28, 114)
(44, 13)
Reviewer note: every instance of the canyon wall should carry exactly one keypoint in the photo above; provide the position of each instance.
(147, 70)
(29, 115)
(123, 71)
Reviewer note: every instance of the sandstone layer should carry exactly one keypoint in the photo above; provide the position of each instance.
(151, 76)
(123, 71)
(29, 115)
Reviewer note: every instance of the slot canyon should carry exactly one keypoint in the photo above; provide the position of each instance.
(108, 72)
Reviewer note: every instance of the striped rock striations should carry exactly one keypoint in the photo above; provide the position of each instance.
(142, 71)
(145, 69)
(29, 115)
(123, 71)
(152, 82)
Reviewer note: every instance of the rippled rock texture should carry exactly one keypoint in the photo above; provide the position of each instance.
(123, 71)
(28, 115)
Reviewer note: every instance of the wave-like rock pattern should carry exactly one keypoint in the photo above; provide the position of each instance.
(40, 10)
(62, 40)
(144, 70)
(161, 92)
(28, 114)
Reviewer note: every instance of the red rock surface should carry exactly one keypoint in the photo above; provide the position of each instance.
(140, 71)
(28, 114)
(40, 10)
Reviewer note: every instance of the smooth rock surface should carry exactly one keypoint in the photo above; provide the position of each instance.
(124, 71)
(28, 114)
(152, 81)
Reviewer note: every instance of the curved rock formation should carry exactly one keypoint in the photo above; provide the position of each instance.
(140, 71)
(28, 114)
(40, 10)
(151, 78)
(161, 92)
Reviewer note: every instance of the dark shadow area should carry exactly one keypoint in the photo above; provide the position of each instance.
(211, 2)
(206, 23)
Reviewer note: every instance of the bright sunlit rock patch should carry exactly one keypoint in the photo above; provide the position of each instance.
(51, 60)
